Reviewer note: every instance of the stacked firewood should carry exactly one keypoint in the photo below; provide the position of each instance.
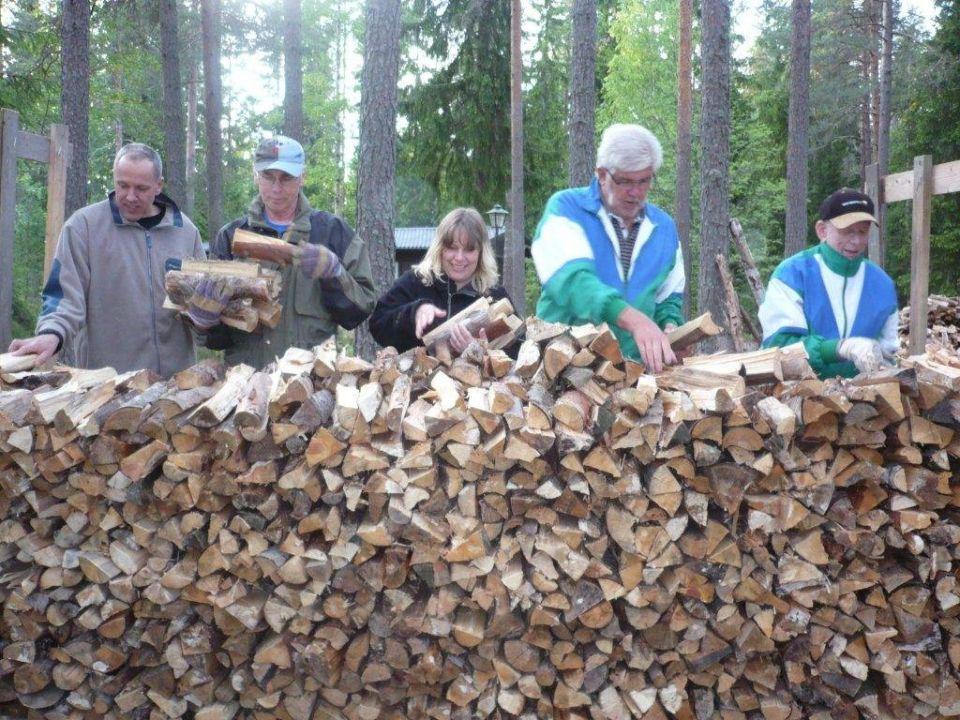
(943, 324)
(559, 535)
(253, 290)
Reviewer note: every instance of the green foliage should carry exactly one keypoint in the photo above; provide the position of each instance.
(640, 85)
(930, 126)
(457, 134)
(545, 112)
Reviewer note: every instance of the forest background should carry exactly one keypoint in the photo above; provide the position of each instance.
(453, 131)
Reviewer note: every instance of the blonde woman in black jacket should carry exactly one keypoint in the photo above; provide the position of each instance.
(458, 268)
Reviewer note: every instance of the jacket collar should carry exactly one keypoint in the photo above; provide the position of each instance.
(173, 216)
(301, 219)
(840, 264)
(590, 200)
(451, 288)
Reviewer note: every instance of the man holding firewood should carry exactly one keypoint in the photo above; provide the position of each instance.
(603, 253)
(104, 295)
(841, 306)
(324, 267)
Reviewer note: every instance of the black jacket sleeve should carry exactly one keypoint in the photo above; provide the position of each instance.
(393, 321)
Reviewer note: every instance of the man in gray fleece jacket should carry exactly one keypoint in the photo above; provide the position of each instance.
(105, 292)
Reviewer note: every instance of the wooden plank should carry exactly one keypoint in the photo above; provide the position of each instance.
(872, 188)
(899, 186)
(9, 122)
(31, 146)
(920, 255)
(58, 159)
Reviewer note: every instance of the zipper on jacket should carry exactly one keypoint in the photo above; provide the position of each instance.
(843, 303)
(153, 302)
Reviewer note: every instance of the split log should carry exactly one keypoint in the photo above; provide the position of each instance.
(10, 363)
(693, 331)
(479, 315)
(249, 244)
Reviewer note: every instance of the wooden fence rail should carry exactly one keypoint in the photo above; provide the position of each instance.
(919, 185)
(53, 149)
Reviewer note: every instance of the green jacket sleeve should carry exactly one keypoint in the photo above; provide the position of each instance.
(575, 295)
(669, 311)
(822, 353)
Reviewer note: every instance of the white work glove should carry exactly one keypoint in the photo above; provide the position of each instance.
(862, 352)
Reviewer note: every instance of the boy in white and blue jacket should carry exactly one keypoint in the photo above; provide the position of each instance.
(841, 306)
(604, 254)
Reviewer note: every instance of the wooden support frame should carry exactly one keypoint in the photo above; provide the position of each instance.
(919, 185)
(53, 149)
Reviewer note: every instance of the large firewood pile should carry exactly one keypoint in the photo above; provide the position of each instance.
(556, 536)
(943, 324)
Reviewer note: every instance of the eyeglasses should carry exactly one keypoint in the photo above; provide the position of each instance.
(635, 184)
(282, 179)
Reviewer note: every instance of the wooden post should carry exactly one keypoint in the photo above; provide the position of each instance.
(56, 190)
(872, 188)
(9, 126)
(920, 255)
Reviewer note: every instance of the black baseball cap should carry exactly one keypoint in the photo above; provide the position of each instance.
(846, 207)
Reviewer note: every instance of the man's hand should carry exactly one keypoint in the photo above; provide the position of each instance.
(426, 314)
(43, 346)
(207, 302)
(318, 261)
(863, 352)
(654, 347)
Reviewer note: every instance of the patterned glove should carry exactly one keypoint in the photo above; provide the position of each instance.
(207, 302)
(862, 352)
(317, 261)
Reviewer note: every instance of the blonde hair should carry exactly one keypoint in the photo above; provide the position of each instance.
(468, 222)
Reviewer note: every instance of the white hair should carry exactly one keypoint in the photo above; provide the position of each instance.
(629, 148)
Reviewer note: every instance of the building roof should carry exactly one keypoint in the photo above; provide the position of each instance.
(419, 238)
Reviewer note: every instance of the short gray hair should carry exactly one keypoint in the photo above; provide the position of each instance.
(139, 151)
(629, 148)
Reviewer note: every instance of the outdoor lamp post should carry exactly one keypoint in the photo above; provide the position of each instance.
(498, 218)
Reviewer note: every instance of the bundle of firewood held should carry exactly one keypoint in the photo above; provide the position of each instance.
(943, 323)
(556, 536)
(253, 290)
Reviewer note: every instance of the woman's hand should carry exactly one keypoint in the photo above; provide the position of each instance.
(426, 315)
(460, 337)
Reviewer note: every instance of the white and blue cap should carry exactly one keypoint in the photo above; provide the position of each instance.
(280, 153)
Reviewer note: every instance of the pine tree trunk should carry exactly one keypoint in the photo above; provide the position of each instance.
(340, 191)
(292, 70)
(75, 96)
(212, 112)
(797, 123)
(378, 148)
(715, 160)
(685, 142)
(173, 118)
(890, 14)
(583, 92)
(191, 152)
(514, 275)
(874, 10)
